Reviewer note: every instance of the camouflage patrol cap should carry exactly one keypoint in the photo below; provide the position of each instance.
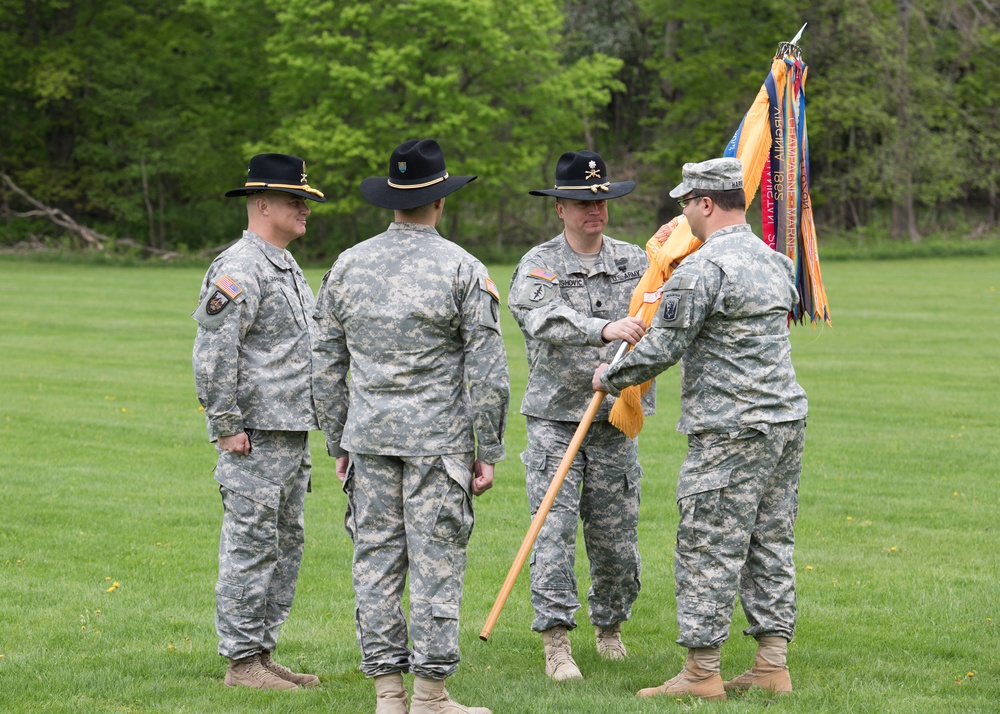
(713, 175)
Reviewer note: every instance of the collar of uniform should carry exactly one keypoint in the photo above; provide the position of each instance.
(413, 228)
(735, 228)
(571, 257)
(277, 256)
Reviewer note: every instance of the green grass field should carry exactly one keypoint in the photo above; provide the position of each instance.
(110, 521)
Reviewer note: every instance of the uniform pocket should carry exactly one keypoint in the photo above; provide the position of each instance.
(233, 591)
(708, 465)
(444, 610)
(633, 477)
(454, 520)
(232, 472)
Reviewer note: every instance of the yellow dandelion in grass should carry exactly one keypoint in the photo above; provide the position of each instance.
(850, 518)
(112, 589)
(971, 674)
(108, 578)
(170, 647)
(809, 567)
(955, 494)
(1, 656)
(201, 408)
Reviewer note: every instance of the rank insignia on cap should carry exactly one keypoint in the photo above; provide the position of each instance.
(491, 288)
(594, 172)
(226, 285)
(543, 274)
(401, 165)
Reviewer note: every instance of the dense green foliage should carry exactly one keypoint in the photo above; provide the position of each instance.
(106, 477)
(134, 118)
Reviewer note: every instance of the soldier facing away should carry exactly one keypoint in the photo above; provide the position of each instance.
(252, 357)
(417, 429)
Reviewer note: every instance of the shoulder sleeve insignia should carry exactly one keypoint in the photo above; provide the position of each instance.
(543, 274)
(226, 285)
(216, 303)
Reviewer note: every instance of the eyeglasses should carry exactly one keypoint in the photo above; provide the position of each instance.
(683, 202)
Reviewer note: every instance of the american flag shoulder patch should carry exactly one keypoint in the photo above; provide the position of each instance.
(491, 288)
(543, 274)
(226, 285)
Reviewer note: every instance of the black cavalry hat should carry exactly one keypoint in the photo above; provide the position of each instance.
(582, 175)
(278, 172)
(417, 176)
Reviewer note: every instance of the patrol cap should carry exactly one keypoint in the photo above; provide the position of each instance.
(713, 175)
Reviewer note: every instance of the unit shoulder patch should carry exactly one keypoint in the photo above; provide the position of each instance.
(216, 303)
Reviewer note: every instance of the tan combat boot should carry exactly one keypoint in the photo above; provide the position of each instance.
(769, 670)
(559, 662)
(250, 672)
(430, 697)
(302, 680)
(700, 678)
(609, 642)
(390, 693)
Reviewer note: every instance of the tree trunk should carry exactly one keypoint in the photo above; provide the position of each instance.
(904, 223)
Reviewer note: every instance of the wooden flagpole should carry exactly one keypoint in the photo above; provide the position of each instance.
(545, 506)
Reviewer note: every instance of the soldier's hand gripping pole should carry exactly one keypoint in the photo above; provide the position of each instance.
(545, 506)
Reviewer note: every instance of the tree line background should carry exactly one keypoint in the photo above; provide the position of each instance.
(133, 118)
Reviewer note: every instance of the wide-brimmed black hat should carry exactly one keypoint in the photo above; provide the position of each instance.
(582, 175)
(277, 172)
(417, 176)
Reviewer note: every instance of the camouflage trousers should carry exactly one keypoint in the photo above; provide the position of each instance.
(738, 499)
(602, 489)
(260, 550)
(409, 514)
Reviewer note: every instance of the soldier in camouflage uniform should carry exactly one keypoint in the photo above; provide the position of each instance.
(724, 316)
(570, 297)
(252, 364)
(417, 428)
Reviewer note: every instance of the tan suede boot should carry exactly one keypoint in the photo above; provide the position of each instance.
(609, 642)
(302, 680)
(769, 670)
(700, 678)
(390, 694)
(559, 662)
(249, 672)
(430, 697)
